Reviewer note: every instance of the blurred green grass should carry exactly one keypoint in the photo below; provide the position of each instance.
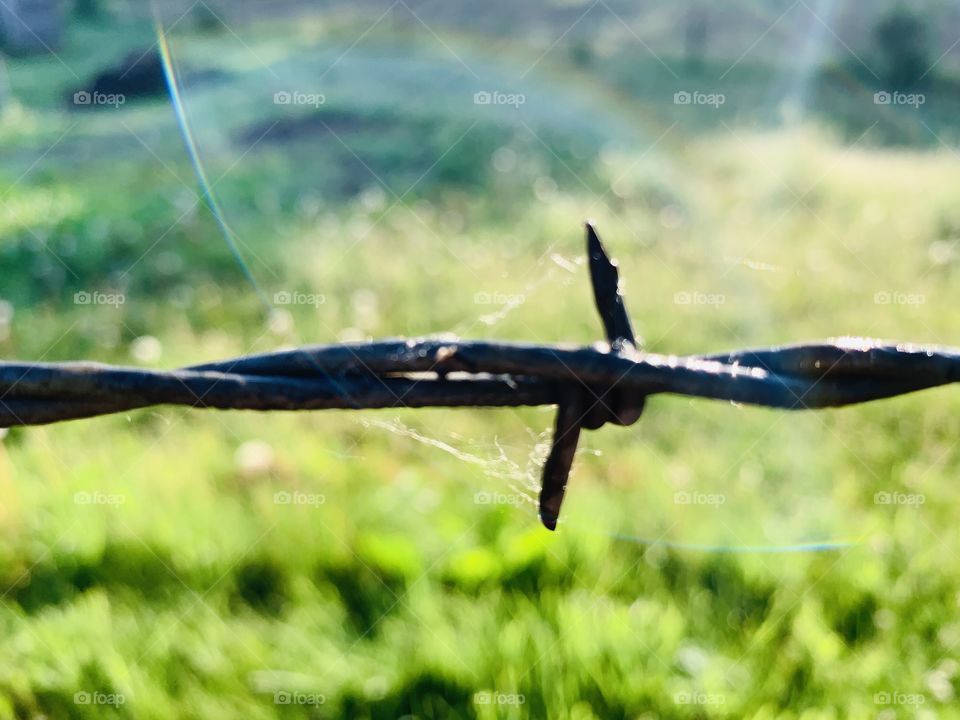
(333, 565)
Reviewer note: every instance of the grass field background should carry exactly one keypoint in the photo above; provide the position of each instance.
(172, 563)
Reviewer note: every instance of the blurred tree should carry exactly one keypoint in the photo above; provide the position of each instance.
(4, 85)
(901, 40)
(581, 53)
(87, 9)
(30, 27)
(696, 35)
(206, 19)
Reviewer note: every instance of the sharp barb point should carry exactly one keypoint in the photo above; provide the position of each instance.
(556, 470)
(606, 292)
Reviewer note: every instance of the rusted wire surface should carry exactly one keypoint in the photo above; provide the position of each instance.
(591, 386)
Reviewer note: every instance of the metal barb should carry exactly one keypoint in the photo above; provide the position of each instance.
(591, 406)
(556, 470)
(606, 292)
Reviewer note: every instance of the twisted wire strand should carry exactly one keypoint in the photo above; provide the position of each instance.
(395, 373)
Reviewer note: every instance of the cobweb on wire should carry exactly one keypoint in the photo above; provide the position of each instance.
(494, 460)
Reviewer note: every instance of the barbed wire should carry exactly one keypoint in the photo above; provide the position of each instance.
(592, 386)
